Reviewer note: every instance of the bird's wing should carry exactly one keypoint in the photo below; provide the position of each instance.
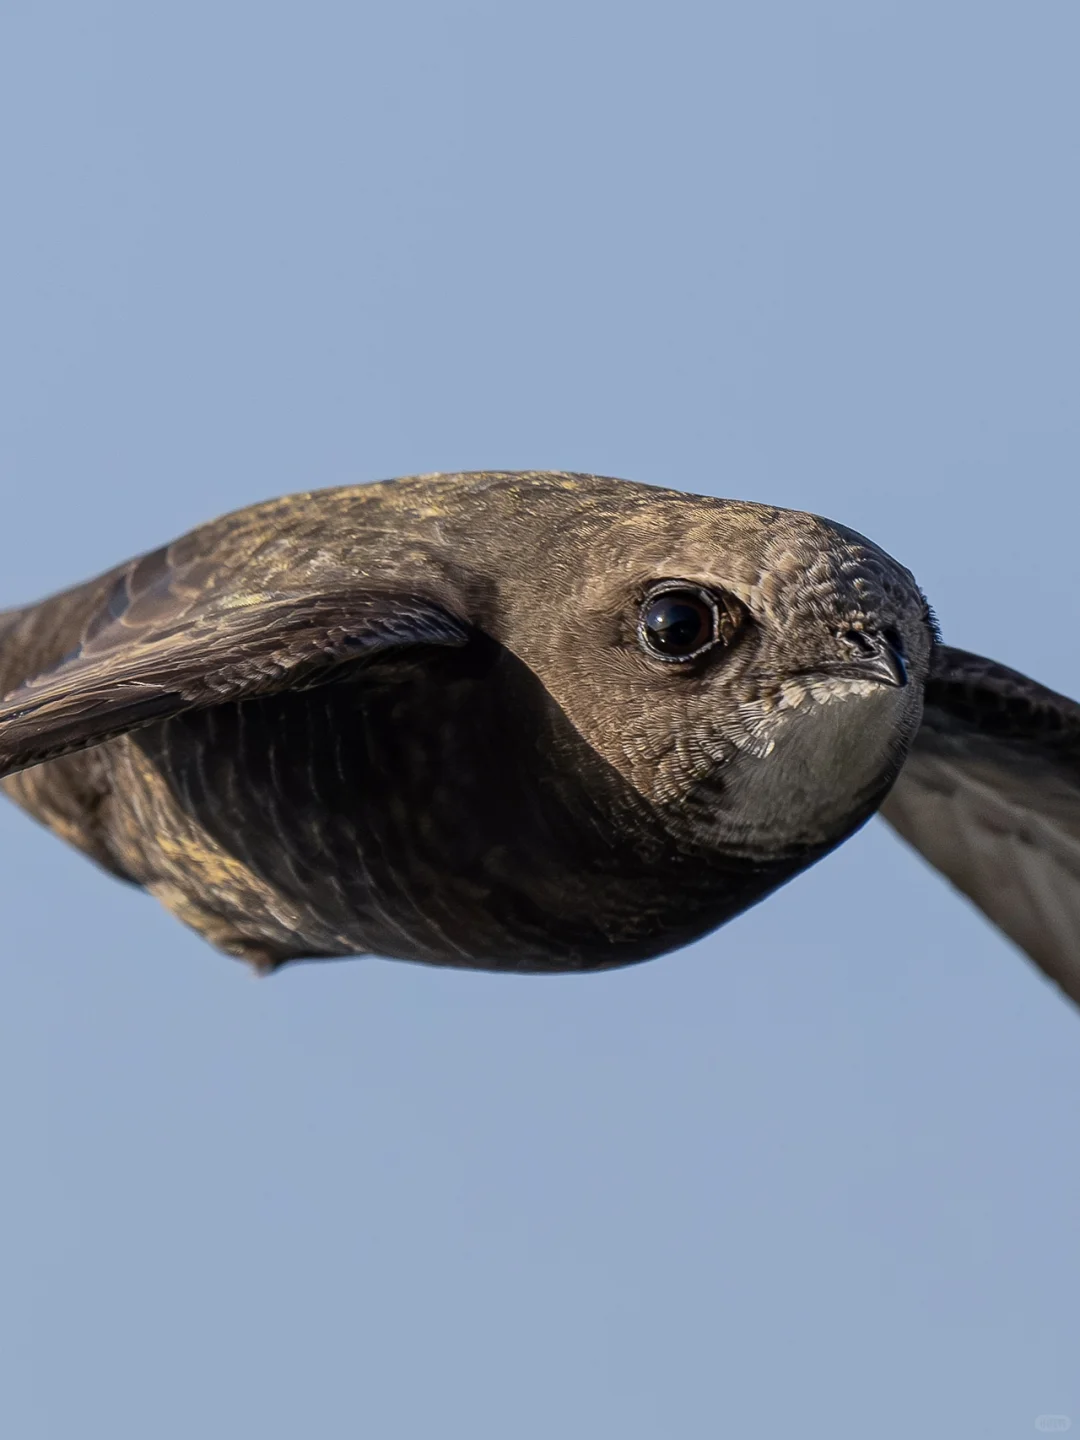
(990, 795)
(164, 637)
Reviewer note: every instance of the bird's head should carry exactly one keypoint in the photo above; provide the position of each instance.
(756, 672)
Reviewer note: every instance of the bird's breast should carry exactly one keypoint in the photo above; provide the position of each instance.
(445, 811)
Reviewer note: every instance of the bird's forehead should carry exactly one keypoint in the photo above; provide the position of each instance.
(778, 562)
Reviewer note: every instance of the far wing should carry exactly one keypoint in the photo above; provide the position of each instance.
(990, 796)
(164, 638)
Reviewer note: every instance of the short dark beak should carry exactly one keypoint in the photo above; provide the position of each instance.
(874, 656)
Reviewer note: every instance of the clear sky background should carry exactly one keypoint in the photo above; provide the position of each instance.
(818, 1175)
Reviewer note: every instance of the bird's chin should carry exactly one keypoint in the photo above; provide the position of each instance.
(821, 761)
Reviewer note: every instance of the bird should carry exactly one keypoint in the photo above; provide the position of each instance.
(526, 721)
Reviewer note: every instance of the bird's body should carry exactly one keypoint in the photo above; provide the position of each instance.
(521, 721)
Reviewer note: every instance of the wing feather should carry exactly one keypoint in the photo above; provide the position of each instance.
(163, 637)
(990, 796)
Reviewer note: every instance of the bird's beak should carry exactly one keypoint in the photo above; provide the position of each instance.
(874, 658)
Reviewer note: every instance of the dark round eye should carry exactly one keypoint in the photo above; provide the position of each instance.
(679, 624)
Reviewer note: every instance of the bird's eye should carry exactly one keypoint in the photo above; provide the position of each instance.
(679, 624)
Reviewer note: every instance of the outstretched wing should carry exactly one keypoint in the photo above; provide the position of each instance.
(161, 637)
(990, 795)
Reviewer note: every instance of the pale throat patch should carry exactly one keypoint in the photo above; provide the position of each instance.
(764, 719)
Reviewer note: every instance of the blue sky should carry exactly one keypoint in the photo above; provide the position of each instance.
(818, 1175)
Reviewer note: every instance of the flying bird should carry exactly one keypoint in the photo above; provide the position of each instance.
(525, 721)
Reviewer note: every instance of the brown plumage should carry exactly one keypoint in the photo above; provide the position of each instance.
(524, 721)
